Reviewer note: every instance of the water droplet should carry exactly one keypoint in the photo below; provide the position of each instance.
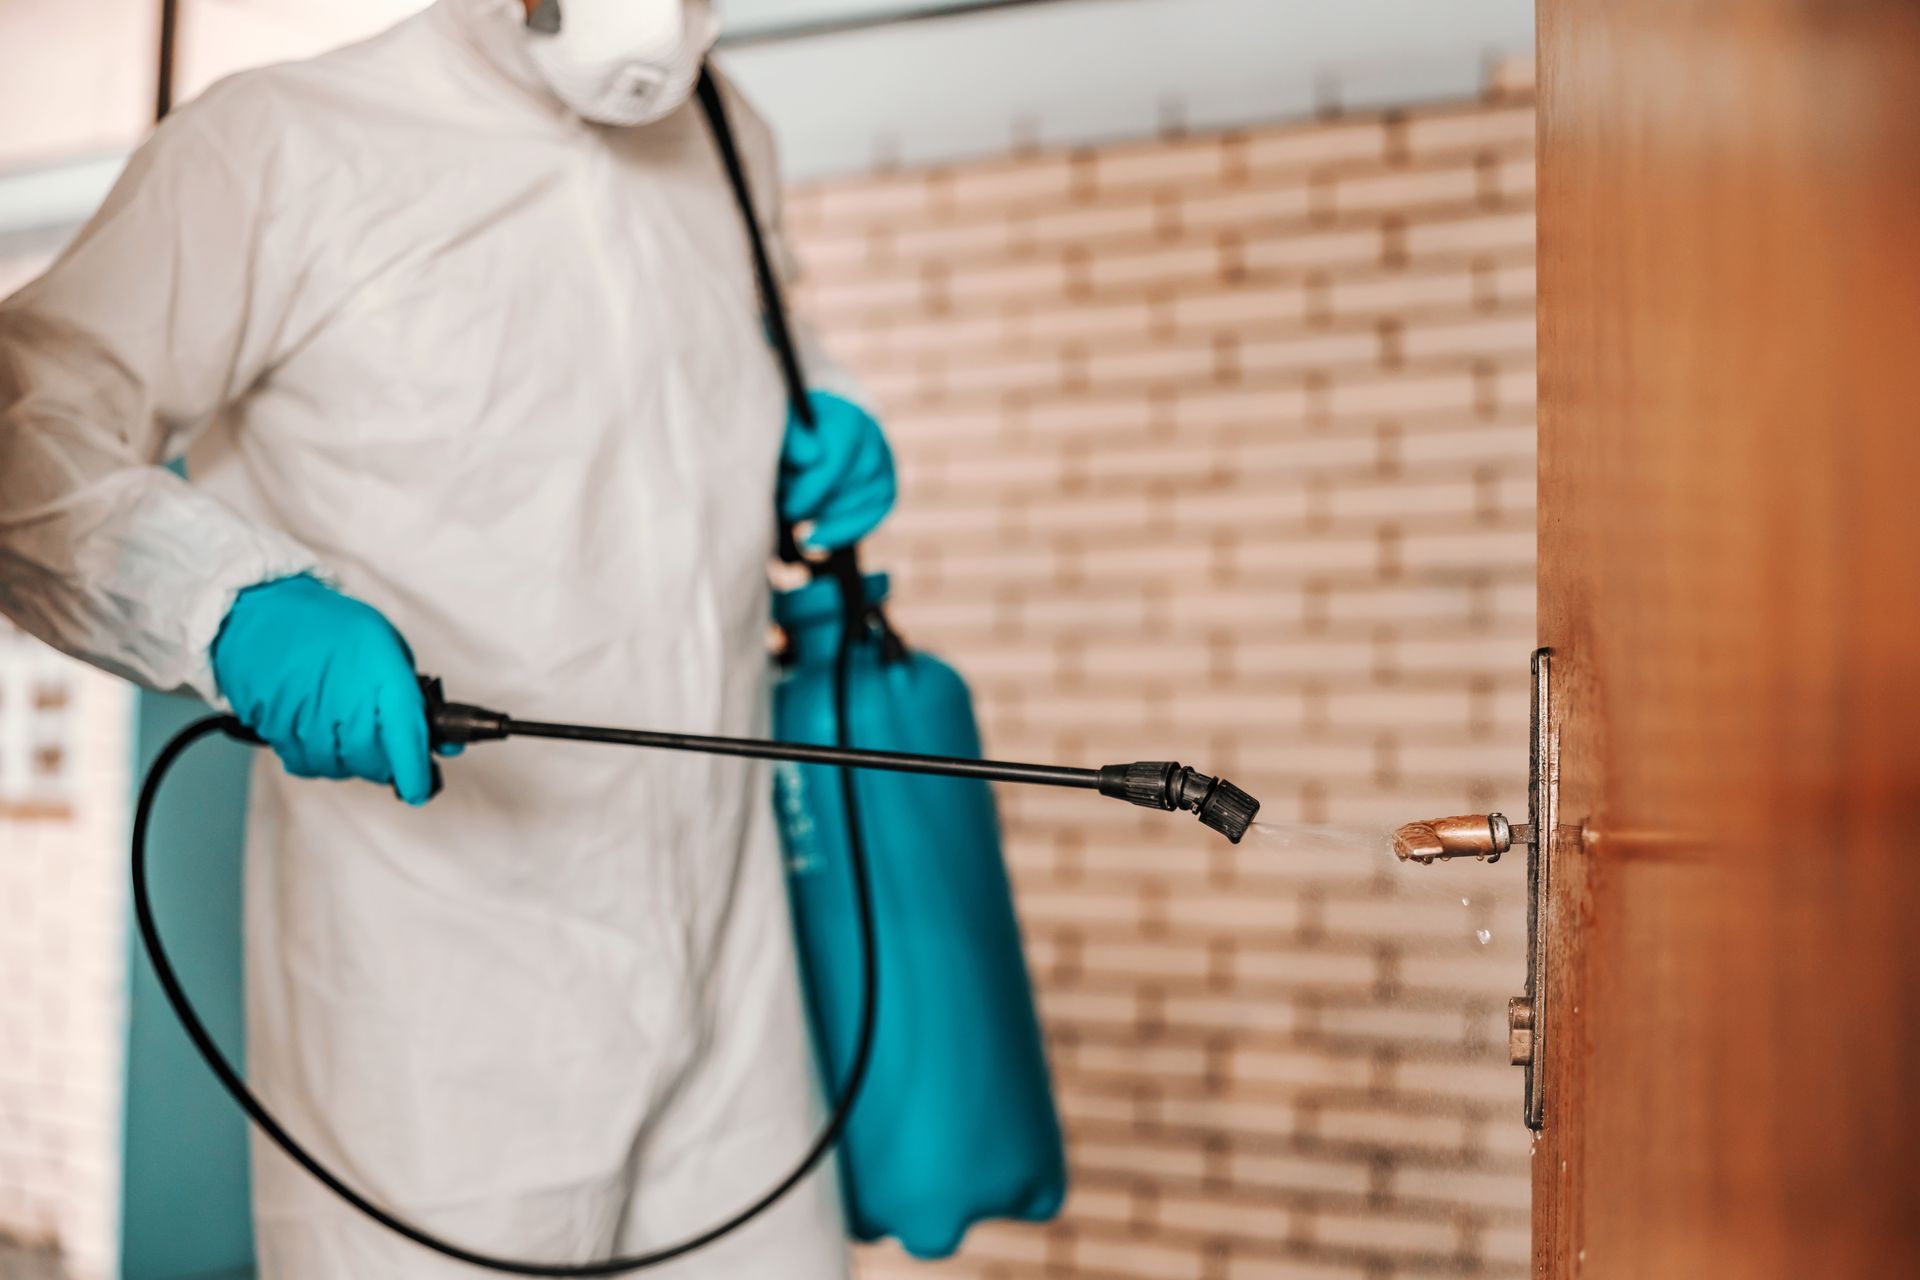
(1466, 902)
(1485, 936)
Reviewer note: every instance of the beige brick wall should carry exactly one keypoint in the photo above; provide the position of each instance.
(1222, 448)
(63, 785)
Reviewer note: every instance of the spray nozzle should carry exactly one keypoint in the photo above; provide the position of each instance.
(1165, 785)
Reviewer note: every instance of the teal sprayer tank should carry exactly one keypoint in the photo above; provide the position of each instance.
(956, 1122)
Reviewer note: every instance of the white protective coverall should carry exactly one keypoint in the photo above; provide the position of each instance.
(501, 374)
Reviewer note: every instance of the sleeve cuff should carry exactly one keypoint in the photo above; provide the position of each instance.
(277, 557)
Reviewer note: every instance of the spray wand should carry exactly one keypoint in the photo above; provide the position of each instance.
(1151, 784)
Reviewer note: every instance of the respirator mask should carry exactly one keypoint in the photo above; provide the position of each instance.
(621, 62)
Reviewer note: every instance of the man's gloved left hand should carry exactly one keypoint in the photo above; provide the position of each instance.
(838, 473)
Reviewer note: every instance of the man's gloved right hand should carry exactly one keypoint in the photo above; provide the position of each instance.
(326, 682)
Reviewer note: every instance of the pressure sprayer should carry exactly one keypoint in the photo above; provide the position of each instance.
(1161, 785)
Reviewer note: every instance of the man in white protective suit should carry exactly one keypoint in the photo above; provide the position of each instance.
(459, 333)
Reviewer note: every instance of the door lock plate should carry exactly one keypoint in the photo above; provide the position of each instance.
(1543, 802)
(1485, 836)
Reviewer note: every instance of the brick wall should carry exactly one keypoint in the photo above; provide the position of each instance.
(1222, 448)
(63, 787)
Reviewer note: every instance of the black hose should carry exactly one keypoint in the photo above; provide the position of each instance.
(853, 625)
(166, 59)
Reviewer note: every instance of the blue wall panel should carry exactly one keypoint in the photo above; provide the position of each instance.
(184, 1200)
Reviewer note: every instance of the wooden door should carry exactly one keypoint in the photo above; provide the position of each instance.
(1730, 579)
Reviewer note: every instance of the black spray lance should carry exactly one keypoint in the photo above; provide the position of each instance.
(1151, 784)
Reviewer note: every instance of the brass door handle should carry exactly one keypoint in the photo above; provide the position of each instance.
(1481, 835)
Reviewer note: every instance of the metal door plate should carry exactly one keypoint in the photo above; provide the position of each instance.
(1543, 799)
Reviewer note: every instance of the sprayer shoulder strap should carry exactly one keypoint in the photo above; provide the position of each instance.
(771, 298)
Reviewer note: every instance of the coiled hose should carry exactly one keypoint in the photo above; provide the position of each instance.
(845, 570)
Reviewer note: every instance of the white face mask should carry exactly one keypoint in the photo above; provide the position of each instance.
(622, 62)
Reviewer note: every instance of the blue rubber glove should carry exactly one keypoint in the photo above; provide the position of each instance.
(327, 683)
(837, 473)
